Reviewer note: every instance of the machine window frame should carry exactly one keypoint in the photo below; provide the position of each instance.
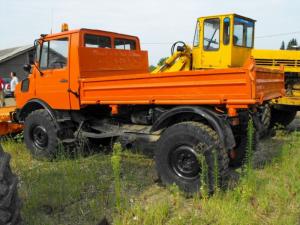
(37, 49)
(226, 42)
(244, 43)
(205, 47)
(196, 41)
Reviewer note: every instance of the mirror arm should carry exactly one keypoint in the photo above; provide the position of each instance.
(38, 69)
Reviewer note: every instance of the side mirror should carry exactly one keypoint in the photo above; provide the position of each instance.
(27, 68)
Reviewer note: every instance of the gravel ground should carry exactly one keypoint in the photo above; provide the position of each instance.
(270, 147)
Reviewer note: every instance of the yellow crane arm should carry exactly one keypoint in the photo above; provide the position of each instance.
(179, 61)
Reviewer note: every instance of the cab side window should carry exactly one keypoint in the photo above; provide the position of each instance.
(243, 32)
(211, 40)
(54, 54)
(124, 44)
(96, 41)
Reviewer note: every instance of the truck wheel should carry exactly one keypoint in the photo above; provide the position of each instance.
(282, 117)
(177, 156)
(10, 204)
(265, 120)
(41, 134)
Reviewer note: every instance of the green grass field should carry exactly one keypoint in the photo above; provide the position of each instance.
(82, 190)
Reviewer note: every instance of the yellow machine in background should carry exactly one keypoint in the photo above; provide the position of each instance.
(225, 41)
(291, 61)
(221, 41)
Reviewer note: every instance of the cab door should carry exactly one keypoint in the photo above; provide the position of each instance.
(212, 43)
(52, 83)
(211, 47)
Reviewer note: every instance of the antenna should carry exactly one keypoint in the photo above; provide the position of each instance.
(51, 20)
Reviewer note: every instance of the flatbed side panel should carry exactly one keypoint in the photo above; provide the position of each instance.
(269, 84)
(95, 62)
(220, 86)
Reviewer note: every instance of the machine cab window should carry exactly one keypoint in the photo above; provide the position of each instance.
(243, 32)
(211, 40)
(54, 54)
(124, 44)
(96, 41)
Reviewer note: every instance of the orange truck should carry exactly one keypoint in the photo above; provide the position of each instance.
(95, 86)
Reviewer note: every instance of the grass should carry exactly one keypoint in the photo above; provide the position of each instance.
(83, 190)
(75, 191)
(266, 196)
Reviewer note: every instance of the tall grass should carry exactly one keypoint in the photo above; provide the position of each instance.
(116, 165)
(204, 183)
(74, 190)
(250, 147)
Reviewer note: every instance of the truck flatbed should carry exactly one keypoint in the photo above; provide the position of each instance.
(234, 86)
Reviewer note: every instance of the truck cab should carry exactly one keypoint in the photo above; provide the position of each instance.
(64, 58)
(222, 41)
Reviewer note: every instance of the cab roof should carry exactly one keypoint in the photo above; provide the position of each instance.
(224, 15)
(109, 33)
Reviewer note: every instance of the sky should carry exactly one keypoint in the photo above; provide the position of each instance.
(158, 23)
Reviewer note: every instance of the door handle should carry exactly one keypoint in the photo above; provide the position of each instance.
(63, 81)
(73, 92)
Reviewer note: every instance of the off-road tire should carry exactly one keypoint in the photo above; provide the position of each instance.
(10, 204)
(265, 112)
(204, 141)
(282, 117)
(242, 140)
(42, 120)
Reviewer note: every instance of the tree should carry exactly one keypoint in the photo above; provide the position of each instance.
(151, 68)
(292, 44)
(159, 64)
(162, 61)
(282, 46)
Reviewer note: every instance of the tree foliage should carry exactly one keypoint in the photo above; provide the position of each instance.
(151, 68)
(292, 44)
(282, 46)
(162, 61)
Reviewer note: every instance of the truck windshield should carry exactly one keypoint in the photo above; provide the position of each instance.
(243, 32)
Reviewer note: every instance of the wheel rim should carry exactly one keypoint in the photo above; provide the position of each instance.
(39, 137)
(183, 161)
